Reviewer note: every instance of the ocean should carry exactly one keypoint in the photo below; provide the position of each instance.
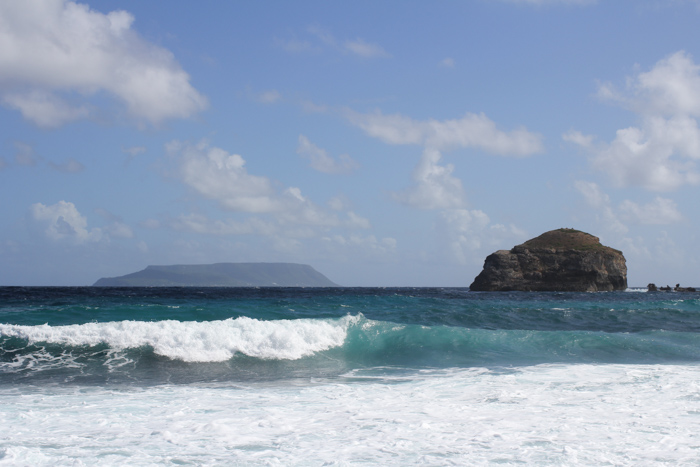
(347, 376)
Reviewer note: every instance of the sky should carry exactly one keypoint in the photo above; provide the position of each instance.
(384, 143)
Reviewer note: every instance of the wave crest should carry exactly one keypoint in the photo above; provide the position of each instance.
(193, 341)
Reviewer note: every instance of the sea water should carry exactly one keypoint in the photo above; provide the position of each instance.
(347, 376)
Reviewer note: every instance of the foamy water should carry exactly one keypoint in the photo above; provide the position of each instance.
(540, 415)
(191, 341)
(145, 377)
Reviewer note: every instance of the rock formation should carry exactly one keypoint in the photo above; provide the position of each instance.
(565, 260)
(652, 288)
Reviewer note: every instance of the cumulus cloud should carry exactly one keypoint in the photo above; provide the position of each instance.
(321, 161)
(63, 221)
(434, 186)
(660, 153)
(217, 175)
(657, 156)
(472, 130)
(671, 87)
(600, 202)
(466, 232)
(56, 54)
(660, 211)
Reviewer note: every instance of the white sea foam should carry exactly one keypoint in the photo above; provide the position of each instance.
(539, 415)
(192, 341)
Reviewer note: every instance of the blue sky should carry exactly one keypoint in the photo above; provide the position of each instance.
(385, 143)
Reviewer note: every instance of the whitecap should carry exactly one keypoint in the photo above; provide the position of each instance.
(194, 341)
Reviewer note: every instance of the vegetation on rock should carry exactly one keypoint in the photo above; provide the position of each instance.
(566, 239)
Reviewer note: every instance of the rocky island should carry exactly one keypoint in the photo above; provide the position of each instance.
(222, 275)
(565, 260)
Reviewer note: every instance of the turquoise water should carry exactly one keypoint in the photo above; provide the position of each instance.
(145, 376)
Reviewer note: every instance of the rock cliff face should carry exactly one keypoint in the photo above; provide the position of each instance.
(565, 260)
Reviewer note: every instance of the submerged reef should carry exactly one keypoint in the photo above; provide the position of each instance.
(562, 260)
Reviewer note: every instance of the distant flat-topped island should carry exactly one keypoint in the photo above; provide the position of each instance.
(222, 275)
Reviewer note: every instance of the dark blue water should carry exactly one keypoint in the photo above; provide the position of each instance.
(143, 336)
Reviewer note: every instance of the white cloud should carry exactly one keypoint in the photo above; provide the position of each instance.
(652, 156)
(660, 153)
(337, 203)
(43, 108)
(63, 221)
(321, 161)
(433, 187)
(467, 232)
(323, 35)
(472, 130)
(672, 87)
(269, 97)
(25, 154)
(364, 49)
(70, 166)
(576, 137)
(447, 62)
(53, 49)
(661, 211)
(592, 193)
(215, 174)
(324, 40)
(600, 202)
(218, 175)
